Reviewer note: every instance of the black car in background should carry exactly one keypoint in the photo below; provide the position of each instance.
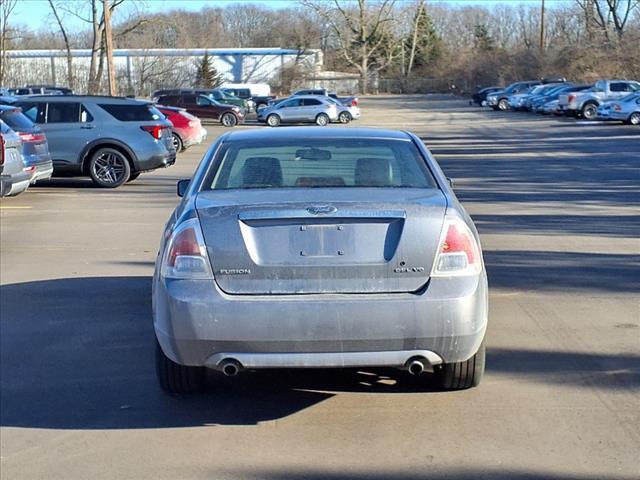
(481, 95)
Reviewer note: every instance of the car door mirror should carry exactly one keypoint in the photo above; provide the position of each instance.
(182, 187)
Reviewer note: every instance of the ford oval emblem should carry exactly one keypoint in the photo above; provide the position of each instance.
(322, 210)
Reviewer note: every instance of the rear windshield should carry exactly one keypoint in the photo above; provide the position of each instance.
(324, 163)
(132, 113)
(17, 120)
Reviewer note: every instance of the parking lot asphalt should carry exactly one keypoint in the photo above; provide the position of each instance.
(557, 204)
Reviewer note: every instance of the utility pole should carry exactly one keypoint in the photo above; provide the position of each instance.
(109, 46)
(542, 27)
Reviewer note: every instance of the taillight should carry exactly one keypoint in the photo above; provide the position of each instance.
(154, 130)
(458, 252)
(31, 169)
(571, 98)
(31, 137)
(186, 254)
(1, 150)
(354, 102)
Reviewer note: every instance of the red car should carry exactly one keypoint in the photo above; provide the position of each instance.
(187, 129)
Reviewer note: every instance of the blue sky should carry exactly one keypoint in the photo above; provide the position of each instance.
(36, 14)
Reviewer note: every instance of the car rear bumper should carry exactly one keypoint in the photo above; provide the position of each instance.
(14, 184)
(195, 321)
(153, 162)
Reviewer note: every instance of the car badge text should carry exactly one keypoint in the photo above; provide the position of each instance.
(321, 210)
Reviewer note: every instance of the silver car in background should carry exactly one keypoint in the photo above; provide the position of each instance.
(300, 109)
(319, 248)
(15, 176)
(345, 113)
(626, 109)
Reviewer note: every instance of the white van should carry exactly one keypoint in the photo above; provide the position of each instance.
(257, 89)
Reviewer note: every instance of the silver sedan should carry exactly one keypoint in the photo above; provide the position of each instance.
(300, 109)
(319, 248)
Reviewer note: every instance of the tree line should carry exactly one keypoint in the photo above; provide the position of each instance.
(404, 46)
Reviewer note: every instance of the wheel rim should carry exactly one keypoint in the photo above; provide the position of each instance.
(502, 105)
(272, 120)
(321, 120)
(109, 168)
(344, 117)
(228, 120)
(634, 119)
(176, 142)
(589, 112)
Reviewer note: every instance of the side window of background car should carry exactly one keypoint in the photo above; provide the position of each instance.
(63, 112)
(36, 112)
(200, 100)
(291, 103)
(189, 99)
(85, 115)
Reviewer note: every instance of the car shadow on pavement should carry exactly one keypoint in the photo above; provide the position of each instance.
(435, 472)
(78, 353)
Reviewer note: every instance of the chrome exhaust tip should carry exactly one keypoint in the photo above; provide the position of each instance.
(415, 367)
(230, 367)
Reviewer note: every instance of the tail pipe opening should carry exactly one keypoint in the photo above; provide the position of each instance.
(415, 366)
(230, 367)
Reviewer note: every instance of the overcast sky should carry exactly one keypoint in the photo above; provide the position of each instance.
(36, 14)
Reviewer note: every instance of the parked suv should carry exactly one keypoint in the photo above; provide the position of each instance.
(205, 107)
(15, 177)
(500, 100)
(35, 150)
(110, 139)
(303, 109)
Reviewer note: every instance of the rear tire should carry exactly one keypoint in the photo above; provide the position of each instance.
(589, 111)
(133, 176)
(345, 117)
(175, 378)
(177, 142)
(503, 104)
(322, 120)
(634, 118)
(273, 120)
(229, 120)
(109, 168)
(462, 375)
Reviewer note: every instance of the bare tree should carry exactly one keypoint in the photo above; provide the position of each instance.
(609, 15)
(363, 34)
(6, 8)
(67, 44)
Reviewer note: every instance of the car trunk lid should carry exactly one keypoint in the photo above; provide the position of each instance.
(322, 240)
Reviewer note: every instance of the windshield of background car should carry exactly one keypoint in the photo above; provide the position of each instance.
(132, 113)
(321, 163)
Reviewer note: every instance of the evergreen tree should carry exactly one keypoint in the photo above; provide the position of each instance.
(428, 46)
(207, 75)
(483, 40)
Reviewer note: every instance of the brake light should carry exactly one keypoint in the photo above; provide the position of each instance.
(154, 130)
(1, 150)
(31, 137)
(458, 252)
(186, 254)
(571, 98)
(354, 102)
